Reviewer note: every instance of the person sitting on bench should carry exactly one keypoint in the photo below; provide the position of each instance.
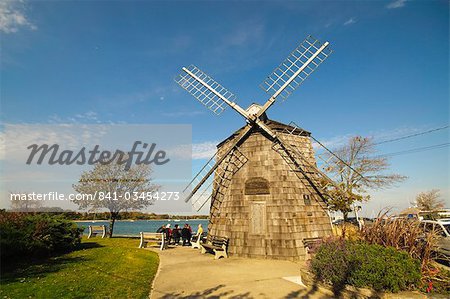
(162, 229)
(198, 234)
(168, 233)
(176, 235)
(186, 235)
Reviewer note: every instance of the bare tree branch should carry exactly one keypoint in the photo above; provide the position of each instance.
(368, 174)
(116, 189)
(429, 201)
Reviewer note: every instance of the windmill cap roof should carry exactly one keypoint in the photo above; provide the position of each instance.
(275, 126)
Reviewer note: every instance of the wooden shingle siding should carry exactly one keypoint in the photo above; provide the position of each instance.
(282, 213)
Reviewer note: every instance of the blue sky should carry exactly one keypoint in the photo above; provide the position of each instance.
(114, 62)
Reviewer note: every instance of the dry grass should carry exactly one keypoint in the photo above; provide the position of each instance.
(402, 234)
(406, 235)
(347, 231)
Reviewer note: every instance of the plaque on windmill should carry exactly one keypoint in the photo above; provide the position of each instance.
(264, 157)
(256, 186)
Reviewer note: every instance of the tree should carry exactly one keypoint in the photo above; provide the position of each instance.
(366, 172)
(429, 201)
(23, 202)
(110, 186)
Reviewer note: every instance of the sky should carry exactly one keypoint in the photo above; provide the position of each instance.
(113, 62)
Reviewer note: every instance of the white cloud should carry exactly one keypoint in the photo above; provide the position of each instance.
(80, 118)
(332, 143)
(90, 115)
(350, 21)
(204, 150)
(15, 138)
(196, 151)
(182, 151)
(13, 17)
(396, 4)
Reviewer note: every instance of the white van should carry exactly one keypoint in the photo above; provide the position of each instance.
(442, 227)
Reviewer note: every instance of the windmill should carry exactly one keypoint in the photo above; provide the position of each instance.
(266, 192)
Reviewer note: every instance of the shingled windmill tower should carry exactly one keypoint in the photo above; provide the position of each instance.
(266, 193)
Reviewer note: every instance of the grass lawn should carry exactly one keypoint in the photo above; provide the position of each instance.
(101, 268)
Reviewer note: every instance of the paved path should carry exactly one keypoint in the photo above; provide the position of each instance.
(186, 273)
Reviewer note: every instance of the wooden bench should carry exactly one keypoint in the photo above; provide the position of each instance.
(156, 238)
(218, 245)
(200, 239)
(96, 230)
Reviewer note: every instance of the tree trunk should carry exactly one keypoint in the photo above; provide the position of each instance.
(112, 220)
(345, 214)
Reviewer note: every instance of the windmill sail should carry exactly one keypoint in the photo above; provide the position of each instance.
(223, 173)
(305, 170)
(205, 89)
(326, 160)
(291, 73)
(202, 182)
(222, 178)
(308, 173)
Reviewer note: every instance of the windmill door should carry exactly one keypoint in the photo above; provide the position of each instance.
(258, 228)
(258, 218)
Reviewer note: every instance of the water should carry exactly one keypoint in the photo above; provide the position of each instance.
(132, 228)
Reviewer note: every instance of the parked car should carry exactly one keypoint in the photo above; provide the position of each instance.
(338, 221)
(442, 228)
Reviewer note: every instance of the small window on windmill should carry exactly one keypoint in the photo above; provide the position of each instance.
(257, 218)
(307, 199)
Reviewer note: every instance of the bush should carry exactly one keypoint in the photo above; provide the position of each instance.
(383, 268)
(340, 262)
(23, 234)
(409, 236)
(403, 234)
(331, 265)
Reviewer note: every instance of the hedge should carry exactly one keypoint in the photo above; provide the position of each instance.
(340, 262)
(25, 235)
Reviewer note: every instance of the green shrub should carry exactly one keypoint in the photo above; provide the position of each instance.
(340, 262)
(25, 235)
(51, 234)
(331, 264)
(12, 236)
(383, 268)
